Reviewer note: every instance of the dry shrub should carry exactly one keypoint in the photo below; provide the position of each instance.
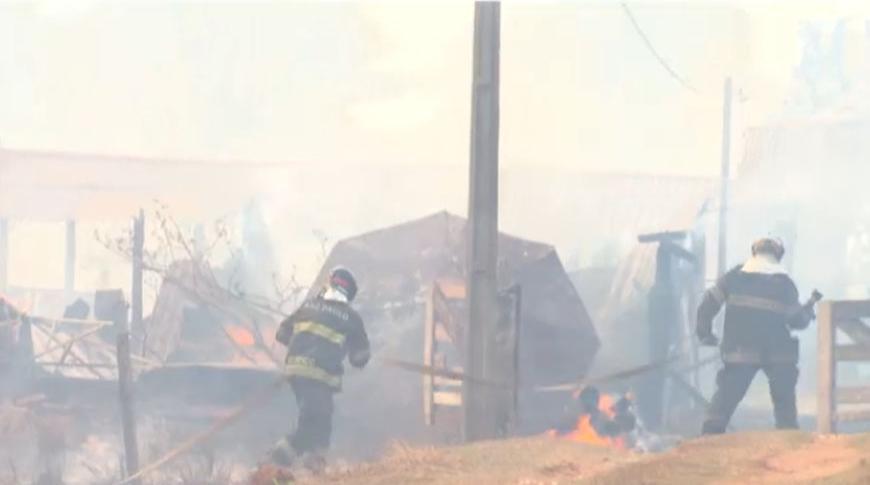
(562, 469)
(16, 421)
(202, 469)
(405, 454)
(52, 432)
(20, 429)
(200, 466)
(271, 475)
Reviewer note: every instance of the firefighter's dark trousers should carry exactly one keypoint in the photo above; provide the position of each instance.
(732, 383)
(314, 427)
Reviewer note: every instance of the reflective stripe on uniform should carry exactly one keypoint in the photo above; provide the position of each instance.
(304, 367)
(745, 356)
(741, 356)
(758, 303)
(320, 330)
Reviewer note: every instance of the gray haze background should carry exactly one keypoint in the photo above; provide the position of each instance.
(346, 117)
(351, 91)
(342, 83)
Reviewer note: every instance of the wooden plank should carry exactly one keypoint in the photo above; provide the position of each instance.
(443, 313)
(857, 330)
(69, 343)
(850, 309)
(4, 254)
(853, 395)
(70, 321)
(452, 289)
(853, 415)
(111, 350)
(518, 334)
(429, 358)
(70, 261)
(826, 379)
(447, 398)
(73, 354)
(853, 353)
(75, 365)
(441, 334)
(66, 351)
(447, 382)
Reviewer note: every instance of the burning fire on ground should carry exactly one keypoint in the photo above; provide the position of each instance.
(599, 420)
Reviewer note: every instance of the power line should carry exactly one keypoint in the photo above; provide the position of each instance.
(653, 50)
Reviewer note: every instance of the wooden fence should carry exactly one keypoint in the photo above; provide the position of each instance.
(845, 316)
(444, 349)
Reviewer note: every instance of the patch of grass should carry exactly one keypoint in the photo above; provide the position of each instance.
(526, 461)
(752, 457)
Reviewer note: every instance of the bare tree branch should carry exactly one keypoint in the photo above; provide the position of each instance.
(175, 245)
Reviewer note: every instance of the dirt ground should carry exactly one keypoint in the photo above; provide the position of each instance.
(740, 458)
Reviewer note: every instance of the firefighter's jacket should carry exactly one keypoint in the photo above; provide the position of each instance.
(761, 309)
(318, 336)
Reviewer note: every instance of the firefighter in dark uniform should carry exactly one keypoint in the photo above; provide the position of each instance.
(319, 336)
(761, 310)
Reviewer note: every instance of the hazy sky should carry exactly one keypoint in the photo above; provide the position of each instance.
(389, 82)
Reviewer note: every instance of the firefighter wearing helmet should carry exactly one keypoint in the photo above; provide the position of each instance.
(761, 311)
(319, 336)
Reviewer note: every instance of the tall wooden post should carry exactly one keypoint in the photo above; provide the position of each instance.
(69, 281)
(136, 286)
(724, 178)
(696, 287)
(479, 420)
(125, 370)
(4, 254)
(827, 369)
(429, 357)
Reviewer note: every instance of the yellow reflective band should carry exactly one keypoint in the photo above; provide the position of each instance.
(320, 330)
(758, 303)
(745, 356)
(741, 357)
(315, 373)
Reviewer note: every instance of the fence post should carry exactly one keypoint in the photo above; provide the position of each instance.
(429, 344)
(125, 370)
(827, 370)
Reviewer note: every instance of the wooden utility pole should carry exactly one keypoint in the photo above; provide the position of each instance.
(4, 254)
(479, 419)
(125, 370)
(724, 179)
(69, 282)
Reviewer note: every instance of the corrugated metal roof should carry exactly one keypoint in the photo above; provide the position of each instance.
(395, 266)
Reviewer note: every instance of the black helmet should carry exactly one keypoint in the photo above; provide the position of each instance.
(342, 280)
(773, 247)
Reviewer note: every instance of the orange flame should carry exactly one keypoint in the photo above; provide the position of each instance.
(241, 335)
(584, 432)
